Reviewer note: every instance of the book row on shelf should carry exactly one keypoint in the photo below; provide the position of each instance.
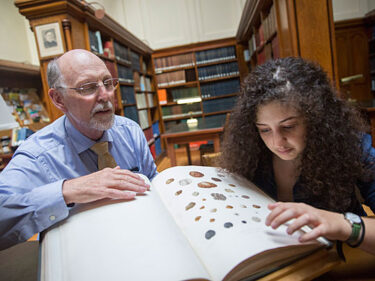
(175, 111)
(217, 105)
(176, 77)
(181, 94)
(218, 71)
(152, 135)
(114, 50)
(172, 62)
(216, 55)
(220, 88)
(142, 82)
(144, 100)
(266, 30)
(209, 106)
(204, 73)
(187, 60)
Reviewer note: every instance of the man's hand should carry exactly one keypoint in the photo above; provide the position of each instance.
(323, 223)
(108, 183)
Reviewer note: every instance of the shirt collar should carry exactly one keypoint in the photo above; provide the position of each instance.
(80, 141)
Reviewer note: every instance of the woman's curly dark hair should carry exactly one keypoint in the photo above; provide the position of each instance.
(331, 161)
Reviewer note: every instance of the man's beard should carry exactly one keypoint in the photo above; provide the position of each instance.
(100, 123)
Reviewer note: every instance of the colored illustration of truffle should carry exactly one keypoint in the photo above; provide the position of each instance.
(206, 184)
(169, 181)
(216, 179)
(184, 182)
(189, 206)
(256, 219)
(196, 174)
(209, 234)
(228, 225)
(219, 196)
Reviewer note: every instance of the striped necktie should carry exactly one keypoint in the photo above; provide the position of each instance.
(105, 159)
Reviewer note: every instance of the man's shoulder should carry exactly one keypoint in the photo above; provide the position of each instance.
(125, 123)
(44, 139)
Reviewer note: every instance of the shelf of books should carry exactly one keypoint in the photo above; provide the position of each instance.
(136, 98)
(197, 81)
(271, 29)
(263, 43)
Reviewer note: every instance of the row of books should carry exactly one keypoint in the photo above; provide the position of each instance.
(135, 60)
(181, 110)
(216, 105)
(121, 53)
(215, 55)
(218, 71)
(175, 77)
(172, 62)
(143, 119)
(125, 74)
(142, 82)
(266, 29)
(269, 51)
(152, 135)
(144, 100)
(114, 50)
(220, 88)
(127, 95)
(183, 93)
(152, 132)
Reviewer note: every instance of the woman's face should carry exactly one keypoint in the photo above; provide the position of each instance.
(282, 129)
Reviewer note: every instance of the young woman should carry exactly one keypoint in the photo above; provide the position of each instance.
(298, 141)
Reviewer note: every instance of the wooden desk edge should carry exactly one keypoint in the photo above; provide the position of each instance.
(307, 268)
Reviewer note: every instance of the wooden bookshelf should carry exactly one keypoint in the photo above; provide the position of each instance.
(272, 29)
(126, 57)
(206, 72)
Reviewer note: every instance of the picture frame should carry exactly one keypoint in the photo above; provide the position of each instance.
(49, 39)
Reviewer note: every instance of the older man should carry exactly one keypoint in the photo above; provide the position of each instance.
(60, 164)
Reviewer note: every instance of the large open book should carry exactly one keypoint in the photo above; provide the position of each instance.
(194, 223)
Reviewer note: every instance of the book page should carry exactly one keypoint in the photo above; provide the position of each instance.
(223, 216)
(112, 240)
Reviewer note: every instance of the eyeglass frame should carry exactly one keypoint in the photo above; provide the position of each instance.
(81, 89)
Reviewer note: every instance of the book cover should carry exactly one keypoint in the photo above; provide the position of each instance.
(194, 223)
(162, 95)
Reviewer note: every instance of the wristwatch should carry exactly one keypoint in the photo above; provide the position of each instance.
(355, 222)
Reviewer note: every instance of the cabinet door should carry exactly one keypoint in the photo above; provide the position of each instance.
(353, 64)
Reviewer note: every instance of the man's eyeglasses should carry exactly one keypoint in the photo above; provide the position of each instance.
(93, 87)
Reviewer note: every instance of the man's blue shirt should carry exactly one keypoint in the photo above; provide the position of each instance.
(31, 197)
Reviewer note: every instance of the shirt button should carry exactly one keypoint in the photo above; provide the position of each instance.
(52, 218)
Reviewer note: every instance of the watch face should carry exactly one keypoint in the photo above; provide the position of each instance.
(353, 217)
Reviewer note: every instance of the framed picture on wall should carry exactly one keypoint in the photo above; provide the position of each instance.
(49, 39)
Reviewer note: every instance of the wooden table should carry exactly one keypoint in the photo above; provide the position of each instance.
(207, 129)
